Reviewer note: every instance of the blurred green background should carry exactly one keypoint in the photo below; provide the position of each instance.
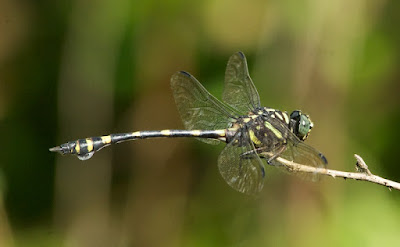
(72, 69)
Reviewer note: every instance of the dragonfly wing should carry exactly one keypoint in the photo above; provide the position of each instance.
(240, 166)
(199, 109)
(239, 90)
(303, 154)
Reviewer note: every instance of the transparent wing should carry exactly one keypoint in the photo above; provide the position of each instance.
(198, 109)
(301, 153)
(240, 166)
(239, 90)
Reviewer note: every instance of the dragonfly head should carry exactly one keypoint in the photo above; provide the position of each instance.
(300, 124)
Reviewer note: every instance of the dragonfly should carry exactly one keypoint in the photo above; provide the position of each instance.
(254, 135)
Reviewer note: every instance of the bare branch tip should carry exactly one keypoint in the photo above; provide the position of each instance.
(361, 166)
(362, 172)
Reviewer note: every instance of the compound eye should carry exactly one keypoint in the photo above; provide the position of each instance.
(305, 126)
(300, 124)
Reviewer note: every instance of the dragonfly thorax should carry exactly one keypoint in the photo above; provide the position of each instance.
(264, 127)
(269, 128)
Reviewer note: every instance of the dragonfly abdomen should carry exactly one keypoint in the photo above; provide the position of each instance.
(85, 148)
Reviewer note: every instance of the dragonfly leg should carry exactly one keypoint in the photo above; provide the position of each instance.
(246, 155)
(276, 154)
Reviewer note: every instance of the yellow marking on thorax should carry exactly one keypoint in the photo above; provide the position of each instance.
(89, 143)
(253, 138)
(285, 116)
(246, 120)
(279, 115)
(165, 132)
(106, 139)
(276, 132)
(196, 132)
(258, 127)
(77, 147)
(254, 116)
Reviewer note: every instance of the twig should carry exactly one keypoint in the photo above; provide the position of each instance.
(363, 173)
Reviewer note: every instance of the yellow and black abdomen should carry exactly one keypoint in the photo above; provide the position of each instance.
(85, 148)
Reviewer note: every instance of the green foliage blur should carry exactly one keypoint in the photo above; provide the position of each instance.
(73, 69)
